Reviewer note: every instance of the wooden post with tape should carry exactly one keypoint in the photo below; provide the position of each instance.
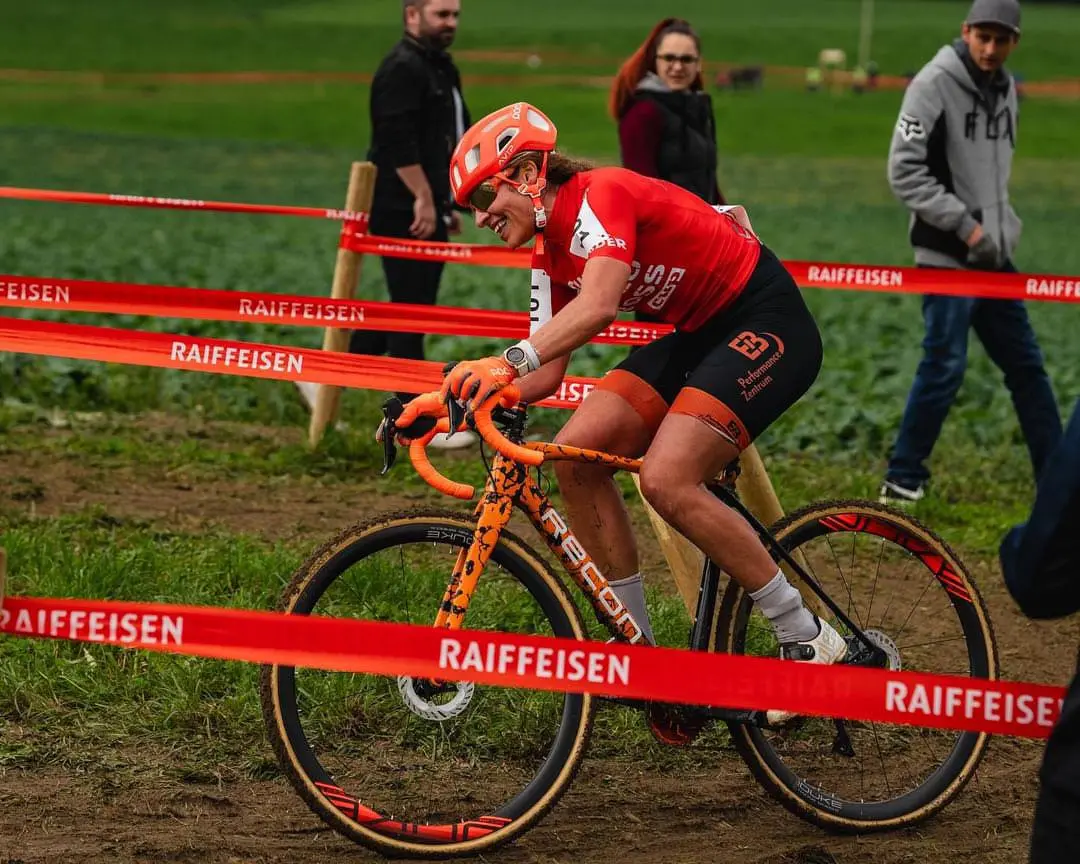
(685, 560)
(346, 276)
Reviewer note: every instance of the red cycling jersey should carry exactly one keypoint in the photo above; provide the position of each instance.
(688, 260)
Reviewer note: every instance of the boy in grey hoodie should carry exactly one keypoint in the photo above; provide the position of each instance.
(949, 163)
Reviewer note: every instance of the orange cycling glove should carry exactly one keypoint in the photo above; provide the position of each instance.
(473, 381)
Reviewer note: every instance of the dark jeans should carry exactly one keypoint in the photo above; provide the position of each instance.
(1055, 835)
(407, 281)
(1004, 330)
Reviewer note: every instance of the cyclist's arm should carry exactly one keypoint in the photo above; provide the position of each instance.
(603, 282)
(544, 381)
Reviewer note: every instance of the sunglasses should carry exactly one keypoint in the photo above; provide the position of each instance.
(685, 59)
(483, 196)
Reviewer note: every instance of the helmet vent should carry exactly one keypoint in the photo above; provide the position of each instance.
(472, 158)
(537, 120)
(504, 140)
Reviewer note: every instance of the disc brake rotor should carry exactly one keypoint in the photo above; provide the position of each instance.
(433, 707)
(886, 644)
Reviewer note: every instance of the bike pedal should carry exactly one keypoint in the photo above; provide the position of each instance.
(673, 727)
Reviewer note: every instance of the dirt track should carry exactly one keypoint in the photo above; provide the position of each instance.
(716, 815)
(130, 811)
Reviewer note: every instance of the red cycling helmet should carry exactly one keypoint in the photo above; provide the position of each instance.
(482, 155)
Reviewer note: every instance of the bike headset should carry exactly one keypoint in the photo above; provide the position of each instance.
(486, 152)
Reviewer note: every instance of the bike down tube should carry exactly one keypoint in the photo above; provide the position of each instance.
(561, 541)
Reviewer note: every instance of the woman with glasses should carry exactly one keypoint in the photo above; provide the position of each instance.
(666, 124)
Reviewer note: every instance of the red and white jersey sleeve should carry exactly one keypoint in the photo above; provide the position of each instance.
(605, 225)
(687, 259)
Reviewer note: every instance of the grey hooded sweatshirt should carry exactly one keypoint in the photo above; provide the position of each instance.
(951, 157)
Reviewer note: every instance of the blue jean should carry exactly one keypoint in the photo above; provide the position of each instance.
(1004, 330)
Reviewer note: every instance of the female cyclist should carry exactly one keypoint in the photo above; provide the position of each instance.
(744, 349)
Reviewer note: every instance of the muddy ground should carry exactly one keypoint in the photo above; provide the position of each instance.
(131, 811)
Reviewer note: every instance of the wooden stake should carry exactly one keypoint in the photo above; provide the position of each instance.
(346, 276)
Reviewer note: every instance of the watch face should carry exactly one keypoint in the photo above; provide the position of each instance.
(514, 356)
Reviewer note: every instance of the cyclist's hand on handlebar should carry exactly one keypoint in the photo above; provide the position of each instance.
(475, 381)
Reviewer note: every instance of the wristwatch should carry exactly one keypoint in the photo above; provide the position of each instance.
(523, 357)
(515, 355)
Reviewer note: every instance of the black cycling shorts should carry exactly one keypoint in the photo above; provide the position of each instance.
(739, 371)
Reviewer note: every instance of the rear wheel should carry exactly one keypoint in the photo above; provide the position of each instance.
(396, 764)
(907, 590)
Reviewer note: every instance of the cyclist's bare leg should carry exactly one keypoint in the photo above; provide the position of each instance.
(683, 455)
(594, 504)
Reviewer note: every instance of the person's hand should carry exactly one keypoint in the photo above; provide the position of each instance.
(424, 216)
(983, 253)
(474, 381)
(454, 227)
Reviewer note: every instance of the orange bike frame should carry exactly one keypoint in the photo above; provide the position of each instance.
(510, 485)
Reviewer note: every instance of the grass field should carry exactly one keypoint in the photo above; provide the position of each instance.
(809, 166)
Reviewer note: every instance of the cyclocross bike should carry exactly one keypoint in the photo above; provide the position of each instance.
(420, 768)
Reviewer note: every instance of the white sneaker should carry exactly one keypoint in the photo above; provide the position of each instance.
(901, 496)
(827, 648)
(454, 441)
(308, 391)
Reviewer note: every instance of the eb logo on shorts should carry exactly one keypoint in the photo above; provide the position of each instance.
(749, 344)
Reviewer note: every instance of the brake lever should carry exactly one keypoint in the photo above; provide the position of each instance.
(389, 449)
(391, 410)
(455, 411)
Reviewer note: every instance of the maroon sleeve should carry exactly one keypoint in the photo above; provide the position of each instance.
(639, 137)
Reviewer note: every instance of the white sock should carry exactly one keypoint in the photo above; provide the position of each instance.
(631, 593)
(782, 604)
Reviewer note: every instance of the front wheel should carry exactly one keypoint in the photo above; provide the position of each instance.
(910, 594)
(415, 768)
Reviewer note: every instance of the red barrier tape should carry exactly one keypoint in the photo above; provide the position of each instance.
(915, 280)
(120, 298)
(348, 216)
(250, 359)
(423, 250)
(545, 663)
(807, 274)
(856, 277)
